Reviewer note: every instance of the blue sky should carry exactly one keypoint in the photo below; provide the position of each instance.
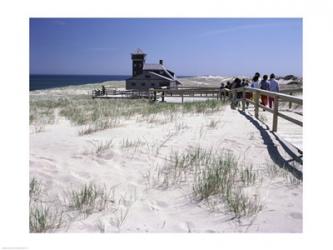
(195, 46)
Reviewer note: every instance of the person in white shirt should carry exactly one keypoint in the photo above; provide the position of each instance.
(274, 87)
(255, 82)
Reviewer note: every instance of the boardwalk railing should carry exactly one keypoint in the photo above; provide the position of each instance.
(277, 98)
(115, 93)
(219, 94)
(238, 94)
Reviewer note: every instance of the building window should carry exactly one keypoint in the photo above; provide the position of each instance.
(147, 76)
(153, 85)
(143, 84)
(133, 84)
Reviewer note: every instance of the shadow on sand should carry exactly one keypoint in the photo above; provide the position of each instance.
(274, 153)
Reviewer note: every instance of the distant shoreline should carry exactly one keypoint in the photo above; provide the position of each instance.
(45, 82)
(48, 81)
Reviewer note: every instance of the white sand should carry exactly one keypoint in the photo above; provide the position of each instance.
(62, 160)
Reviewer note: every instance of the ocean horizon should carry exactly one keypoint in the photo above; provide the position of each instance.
(47, 81)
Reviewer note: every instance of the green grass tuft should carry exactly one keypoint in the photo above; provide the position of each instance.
(89, 198)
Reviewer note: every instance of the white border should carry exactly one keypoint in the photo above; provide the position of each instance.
(15, 135)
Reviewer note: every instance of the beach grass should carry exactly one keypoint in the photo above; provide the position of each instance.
(226, 180)
(90, 198)
(43, 217)
(34, 189)
(103, 146)
(126, 143)
(99, 126)
(212, 175)
(83, 110)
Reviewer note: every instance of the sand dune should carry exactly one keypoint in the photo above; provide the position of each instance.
(133, 163)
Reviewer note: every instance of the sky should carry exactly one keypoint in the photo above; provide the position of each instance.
(188, 46)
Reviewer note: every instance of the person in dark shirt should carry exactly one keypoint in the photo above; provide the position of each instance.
(222, 86)
(237, 83)
(103, 90)
(248, 95)
(264, 85)
(228, 86)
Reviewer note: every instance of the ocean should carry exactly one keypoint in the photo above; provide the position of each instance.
(55, 81)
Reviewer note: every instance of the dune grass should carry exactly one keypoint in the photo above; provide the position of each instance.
(98, 126)
(103, 147)
(212, 175)
(212, 124)
(43, 217)
(274, 171)
(90, 198)
(47, 216)
(83, 110)
(226, 179)
(126, 143)
(34, 189)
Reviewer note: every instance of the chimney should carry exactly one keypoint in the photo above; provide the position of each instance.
(161, 62)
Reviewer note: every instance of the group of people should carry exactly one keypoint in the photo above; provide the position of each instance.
(99, 92)
(264, 84)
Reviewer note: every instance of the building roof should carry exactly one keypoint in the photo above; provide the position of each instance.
(158, 67)
(171, 78)
(164, 77)
(153, 66)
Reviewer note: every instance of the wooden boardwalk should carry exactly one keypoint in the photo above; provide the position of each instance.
(282, 119)
(287, 131)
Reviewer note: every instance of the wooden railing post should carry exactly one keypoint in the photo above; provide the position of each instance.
(256, 106)
(290, 103)
(243, 99)
(233, 98)
(275, 113)
(154, 96)
(182, 97)
(162, 96)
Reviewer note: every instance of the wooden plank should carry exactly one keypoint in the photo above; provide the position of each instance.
(266, 108)
(275, 113)
(281, 96)
(290, 103)
(243, 100)
(256, 105)
(288, 118)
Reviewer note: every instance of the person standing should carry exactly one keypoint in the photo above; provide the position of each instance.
(222, 89)
(255, 82)
(103, 90)
(248, 95)
(257, 74)
(237, 83)
(274, 87)
(264, 85)
(228, 87)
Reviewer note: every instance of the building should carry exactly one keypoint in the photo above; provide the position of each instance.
(146, 76)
